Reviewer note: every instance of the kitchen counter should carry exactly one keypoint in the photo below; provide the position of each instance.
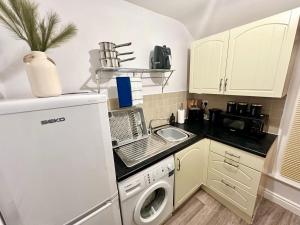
(258, 146)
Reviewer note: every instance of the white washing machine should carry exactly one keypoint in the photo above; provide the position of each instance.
(147, 197)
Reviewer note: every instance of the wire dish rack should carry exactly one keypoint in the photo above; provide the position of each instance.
(127, 125)
(130, 138)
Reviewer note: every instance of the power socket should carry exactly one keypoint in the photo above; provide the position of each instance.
(205, 107)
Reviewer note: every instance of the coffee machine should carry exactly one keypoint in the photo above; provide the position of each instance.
(161, 58)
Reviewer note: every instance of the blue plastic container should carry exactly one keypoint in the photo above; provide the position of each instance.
(124, 91)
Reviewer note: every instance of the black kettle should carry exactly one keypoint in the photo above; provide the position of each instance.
(215, 116)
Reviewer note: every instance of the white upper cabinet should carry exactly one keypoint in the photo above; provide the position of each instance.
(259, 55)
(256, 59)
(208, 64)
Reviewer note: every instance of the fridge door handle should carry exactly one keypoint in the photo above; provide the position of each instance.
(91, 215)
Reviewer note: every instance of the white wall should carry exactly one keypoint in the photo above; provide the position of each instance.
(289, 109)
(220, 15)
(280, 189)
(98, 20)
(2, 91)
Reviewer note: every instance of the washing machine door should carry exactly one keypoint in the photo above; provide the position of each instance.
(152, 203)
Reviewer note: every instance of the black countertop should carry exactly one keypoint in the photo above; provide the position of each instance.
(258, 146)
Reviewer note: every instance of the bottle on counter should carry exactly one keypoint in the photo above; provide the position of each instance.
(172, 120)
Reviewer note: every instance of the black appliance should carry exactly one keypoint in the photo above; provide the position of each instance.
(242, 108)
(214, 116)
(245, 124)
(231, 107)
(161, 58)
(255, 110)
(195, 115)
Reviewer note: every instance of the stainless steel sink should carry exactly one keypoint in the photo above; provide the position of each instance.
(161, 139)
(172, 134)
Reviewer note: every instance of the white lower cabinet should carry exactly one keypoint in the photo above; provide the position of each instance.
(235, 175)
(231, 175)
(190, 170)
(232, 191)
(247, 177)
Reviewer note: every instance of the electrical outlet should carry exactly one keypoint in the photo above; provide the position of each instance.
(205, 107)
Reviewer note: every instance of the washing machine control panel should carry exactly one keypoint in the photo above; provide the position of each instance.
(158, 172)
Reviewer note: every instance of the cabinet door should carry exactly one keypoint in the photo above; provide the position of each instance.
(208, 64)
(259, 54)
(191, 166)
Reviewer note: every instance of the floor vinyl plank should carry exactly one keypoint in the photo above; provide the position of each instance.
(187, 212)
(202, 209)
(224, 216)
(295, 220)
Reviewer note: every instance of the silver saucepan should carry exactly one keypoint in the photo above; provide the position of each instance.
(112, 54)
(113, 62)
(109, 46)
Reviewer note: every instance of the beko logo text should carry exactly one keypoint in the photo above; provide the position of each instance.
(57, 120)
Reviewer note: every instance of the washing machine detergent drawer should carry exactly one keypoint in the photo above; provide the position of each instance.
(147, 197)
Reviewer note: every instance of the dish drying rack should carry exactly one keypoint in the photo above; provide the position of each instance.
(130, 138)
(127, 125)
(136, 72)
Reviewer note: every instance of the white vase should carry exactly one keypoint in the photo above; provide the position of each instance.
(42, 75)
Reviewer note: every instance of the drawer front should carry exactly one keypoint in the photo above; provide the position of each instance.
(245, 158)
(229, 190)
(247, 177)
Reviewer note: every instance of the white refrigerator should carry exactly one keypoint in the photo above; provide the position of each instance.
(56, 162)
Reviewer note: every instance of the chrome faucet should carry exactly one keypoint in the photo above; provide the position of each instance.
(150, 129)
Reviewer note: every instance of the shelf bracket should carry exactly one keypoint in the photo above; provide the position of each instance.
(166, 82)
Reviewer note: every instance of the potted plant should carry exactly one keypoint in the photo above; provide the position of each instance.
(21, 17)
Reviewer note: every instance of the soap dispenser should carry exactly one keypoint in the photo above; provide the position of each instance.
(172, 119)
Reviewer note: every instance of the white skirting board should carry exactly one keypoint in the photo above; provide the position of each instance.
(282, 201)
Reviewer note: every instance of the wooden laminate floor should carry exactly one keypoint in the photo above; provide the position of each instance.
(202, 209)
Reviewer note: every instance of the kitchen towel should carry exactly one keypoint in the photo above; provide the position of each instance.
(124, 91)
(180, 116)
(136, 88)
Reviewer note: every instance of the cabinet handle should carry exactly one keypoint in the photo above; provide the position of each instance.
(228, 153)
(225, 84)
(220, 84)
(228, 185)
(179, 165)
(231, 164)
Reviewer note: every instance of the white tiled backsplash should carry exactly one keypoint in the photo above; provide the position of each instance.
(159, 105)
(162, 105)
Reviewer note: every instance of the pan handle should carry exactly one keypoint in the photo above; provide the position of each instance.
(122, 45)
(129, 59)
(125, 53)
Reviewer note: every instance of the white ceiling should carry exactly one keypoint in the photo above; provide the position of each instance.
(205, 17)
